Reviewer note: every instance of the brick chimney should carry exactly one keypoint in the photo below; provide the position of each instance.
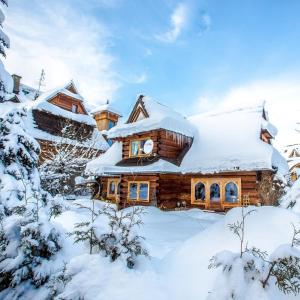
(17, 81)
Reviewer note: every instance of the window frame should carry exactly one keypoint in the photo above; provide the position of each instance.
(139, 147)
(76, 108)
(138, 199)
(225, 184)
(116, 181)
(222, 183)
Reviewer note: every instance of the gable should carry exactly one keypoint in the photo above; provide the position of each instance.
(139, 111)
(65, 102)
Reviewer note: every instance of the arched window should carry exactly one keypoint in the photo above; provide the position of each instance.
(231, 192)
(112, 188)
(215, 193)
(199, 192)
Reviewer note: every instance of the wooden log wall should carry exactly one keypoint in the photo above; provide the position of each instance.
(153, 135)
(170, 145)
(54, 125)
(152, 179)
(166, 143)
(174, 188)
(66, 102)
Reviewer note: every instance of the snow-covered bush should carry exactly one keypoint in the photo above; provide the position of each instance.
(5, 78)
(251, 270)
(86, 231)
(291, 199)
(29, 240)
(119, 241)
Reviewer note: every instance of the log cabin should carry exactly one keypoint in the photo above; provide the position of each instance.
(213, 161)
(48, 114)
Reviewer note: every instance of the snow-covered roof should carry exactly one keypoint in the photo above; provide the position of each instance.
(159, 116)
(224, 141)
(26, 97)
(98, 141)
(42, 104)
(105, 107)
(46, 96)
(230, 140)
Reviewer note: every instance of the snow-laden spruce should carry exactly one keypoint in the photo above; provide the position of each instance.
(5, 78)
(29, 240)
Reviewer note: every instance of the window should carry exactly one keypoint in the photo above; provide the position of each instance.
(74, 108)
(137, 147)
(111, 124)
(231, 192)
(133, 191)
(138, 191)
(199, 192)
(215, 195)
(113, 187)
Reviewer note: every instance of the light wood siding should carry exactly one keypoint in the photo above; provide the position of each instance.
(102, 119)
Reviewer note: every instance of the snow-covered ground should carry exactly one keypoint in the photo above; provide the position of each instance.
(180, 244)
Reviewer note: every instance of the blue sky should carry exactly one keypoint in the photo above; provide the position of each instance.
(191, 55)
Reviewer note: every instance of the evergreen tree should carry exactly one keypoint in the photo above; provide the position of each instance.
(29, 241)
(5, 78)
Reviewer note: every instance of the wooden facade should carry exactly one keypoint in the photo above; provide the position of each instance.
(68, 103)
(55, 124)
(219, 191)
(166, 144)
(168, 191)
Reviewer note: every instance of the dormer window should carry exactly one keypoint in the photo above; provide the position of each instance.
(74, 108)
(137, 147)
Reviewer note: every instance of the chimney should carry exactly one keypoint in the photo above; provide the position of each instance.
(17, 81)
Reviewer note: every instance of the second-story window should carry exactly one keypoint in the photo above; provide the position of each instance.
(137, 147)
(74, 108)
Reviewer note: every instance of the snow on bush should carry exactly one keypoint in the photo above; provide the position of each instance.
(291, 199)
(252, 270)
(66, 160)
(116, 240)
